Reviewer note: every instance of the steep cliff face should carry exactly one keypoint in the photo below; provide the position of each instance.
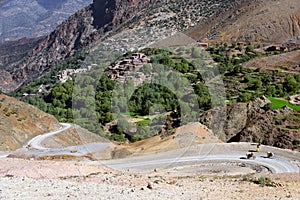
(252, 122)
(80, 30)
(103, 12)
(111, 13)
(60, 44)
(13, 51)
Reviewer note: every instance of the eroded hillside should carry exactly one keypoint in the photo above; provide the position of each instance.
(261, 21)
(84, 28)
(20, 122)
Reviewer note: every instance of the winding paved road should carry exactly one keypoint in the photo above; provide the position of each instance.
(36, 141)
(286, 161)
(274, 165)
(283, 162)
(35, 147)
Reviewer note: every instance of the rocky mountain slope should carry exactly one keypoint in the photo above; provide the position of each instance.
(33, 18)
(254, 122)
(260, 21)
(93, 22)
(267, 22)
(13, 51)
(20, 122)
(288, 62)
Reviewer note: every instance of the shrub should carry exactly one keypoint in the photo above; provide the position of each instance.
(268, 107)
(250, 48)
(244, 97)
(292, 127)
(296, 142)
(5, 109)
(22, 118)
(240, 48)
(262, 181)
(279, 122)
(14, 111)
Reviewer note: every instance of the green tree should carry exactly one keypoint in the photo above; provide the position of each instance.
(291, 85)
(250, 48)
(280, 90)
(124, 125)
(240, 48)
(238, 69)
(244, 97)
(271, 91)
(195, 52)
(255, 84)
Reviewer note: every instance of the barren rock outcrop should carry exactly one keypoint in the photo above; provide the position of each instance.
(252, 122)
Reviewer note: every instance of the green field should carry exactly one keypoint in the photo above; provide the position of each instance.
(279, 103)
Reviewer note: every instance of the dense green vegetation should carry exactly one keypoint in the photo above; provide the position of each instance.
(95, 101)
(50, 79)
(245, 84)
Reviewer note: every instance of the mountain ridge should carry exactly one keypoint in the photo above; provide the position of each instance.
(69, 37)
(34, 18)
(261, 22)
(219, 21)
(81, 29)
